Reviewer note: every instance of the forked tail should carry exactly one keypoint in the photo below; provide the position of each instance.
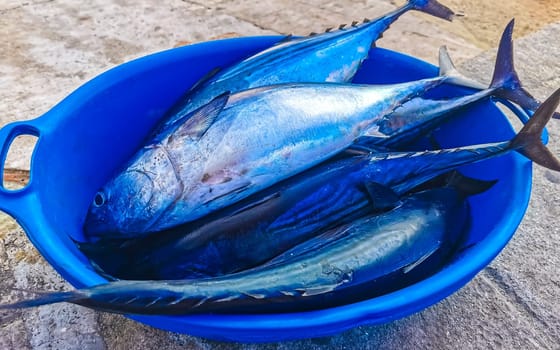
(432, 7)
(505, 80)
(528, 141)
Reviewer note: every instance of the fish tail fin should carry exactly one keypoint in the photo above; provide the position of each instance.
(433, 8)
(528, 141)
(46, 299)
(505, 80)
(447, 68)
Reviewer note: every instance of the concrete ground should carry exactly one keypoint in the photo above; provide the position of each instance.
(49, 48)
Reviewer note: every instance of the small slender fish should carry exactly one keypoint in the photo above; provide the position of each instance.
(270, 222)
(333, 56)
(237, 145)
(346, 257)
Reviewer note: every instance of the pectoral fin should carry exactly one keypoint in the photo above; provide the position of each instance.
(201, 119)
(312, 245)
(232, 190)
(467, 185)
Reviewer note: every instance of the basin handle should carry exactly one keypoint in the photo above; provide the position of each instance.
(13, 201)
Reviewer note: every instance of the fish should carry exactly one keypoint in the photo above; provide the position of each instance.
(333, 56)
(274, 220)
(339, 260)
(237, 145)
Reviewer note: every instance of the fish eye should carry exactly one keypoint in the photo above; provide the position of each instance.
(99, 199)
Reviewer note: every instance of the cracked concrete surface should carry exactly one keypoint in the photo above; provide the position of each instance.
(52, 47)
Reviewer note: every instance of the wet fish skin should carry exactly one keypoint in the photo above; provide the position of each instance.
(404, 171)
(308, 59)
(238, 145)
(356, 253)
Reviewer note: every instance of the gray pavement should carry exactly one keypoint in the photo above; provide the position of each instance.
(49, 48)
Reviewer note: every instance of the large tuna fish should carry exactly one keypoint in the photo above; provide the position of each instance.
(311, 59)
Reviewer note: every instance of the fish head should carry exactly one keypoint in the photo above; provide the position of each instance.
(124, 207)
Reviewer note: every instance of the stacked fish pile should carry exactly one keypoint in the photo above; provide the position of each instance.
(277, 185)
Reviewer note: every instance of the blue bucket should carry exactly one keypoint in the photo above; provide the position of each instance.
(84, 139)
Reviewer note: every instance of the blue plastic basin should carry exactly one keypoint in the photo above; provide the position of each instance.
(84, 138)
